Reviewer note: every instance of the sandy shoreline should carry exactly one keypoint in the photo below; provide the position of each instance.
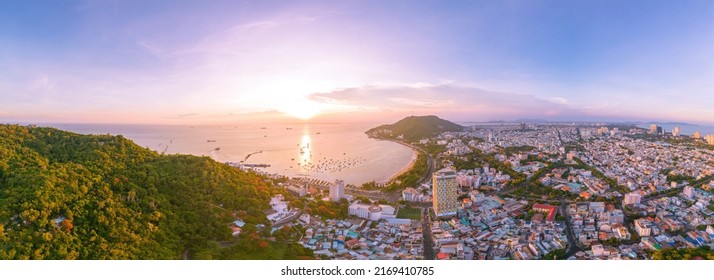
(415, 156)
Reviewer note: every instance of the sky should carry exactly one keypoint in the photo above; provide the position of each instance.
(243, 61)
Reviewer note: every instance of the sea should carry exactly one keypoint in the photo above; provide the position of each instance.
(317, 151)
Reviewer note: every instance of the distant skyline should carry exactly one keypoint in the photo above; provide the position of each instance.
(245, 61)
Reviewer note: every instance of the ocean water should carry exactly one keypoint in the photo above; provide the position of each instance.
(319, 151)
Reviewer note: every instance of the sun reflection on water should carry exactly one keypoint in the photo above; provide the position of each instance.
(305, 149)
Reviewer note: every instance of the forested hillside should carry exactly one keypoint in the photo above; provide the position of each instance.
(70, 196)
(414, 128)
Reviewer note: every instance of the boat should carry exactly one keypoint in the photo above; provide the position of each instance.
(217, 149)
(210, 141)
(262, 127)
(318, 133)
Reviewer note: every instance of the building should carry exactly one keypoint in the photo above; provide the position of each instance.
(298, 190)
(523, 126)
(675, 131)
(570, 155)
(598, 250)
(410, 194)
(697, 135)
(710, 139)
(644, 227)
(372, 212)
(616, 217)
(597, 207)
(620, 231)
(688, 192)
(603, 130)
(632, 198)
(548, 209)
(445, 192)
(653, 129)
(337, 190)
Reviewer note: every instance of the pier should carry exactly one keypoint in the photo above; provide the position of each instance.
(250, 165)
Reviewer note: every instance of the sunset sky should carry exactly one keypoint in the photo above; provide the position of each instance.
(232, 61)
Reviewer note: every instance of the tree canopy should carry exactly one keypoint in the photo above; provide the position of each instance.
(70, 196)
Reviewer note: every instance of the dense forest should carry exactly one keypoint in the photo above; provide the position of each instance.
(70, 196)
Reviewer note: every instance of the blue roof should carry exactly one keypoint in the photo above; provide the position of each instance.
(239, 223)
(691, 240)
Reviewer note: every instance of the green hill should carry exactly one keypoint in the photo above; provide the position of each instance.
(414, 128)
(70, 196)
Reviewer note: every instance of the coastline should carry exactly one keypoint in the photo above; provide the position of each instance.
(415, 156)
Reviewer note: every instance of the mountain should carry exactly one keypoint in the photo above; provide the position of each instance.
(70, 196)
(414, 128)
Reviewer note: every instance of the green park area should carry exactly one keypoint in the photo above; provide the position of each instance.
(409, 213)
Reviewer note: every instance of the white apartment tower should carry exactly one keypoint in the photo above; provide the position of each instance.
(445, 192)
(337, 190)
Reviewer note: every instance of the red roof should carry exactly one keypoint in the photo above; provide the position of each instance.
(552, 210)
(442, 256)
(352, 242)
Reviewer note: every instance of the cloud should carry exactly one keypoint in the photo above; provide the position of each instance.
(558, 100)
(187, 115)
(459, 102)
(42, 84)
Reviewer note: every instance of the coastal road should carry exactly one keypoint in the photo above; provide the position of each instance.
(374, 195)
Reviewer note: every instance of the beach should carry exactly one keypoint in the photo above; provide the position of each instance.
(415, 156)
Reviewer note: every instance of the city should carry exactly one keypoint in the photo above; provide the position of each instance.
(536, 191)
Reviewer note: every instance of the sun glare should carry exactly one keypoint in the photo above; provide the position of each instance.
(303, 110)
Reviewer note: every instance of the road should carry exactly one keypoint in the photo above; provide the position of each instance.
(572, 244)
(428, 237)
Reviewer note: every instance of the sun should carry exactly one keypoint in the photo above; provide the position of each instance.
(304, 110)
